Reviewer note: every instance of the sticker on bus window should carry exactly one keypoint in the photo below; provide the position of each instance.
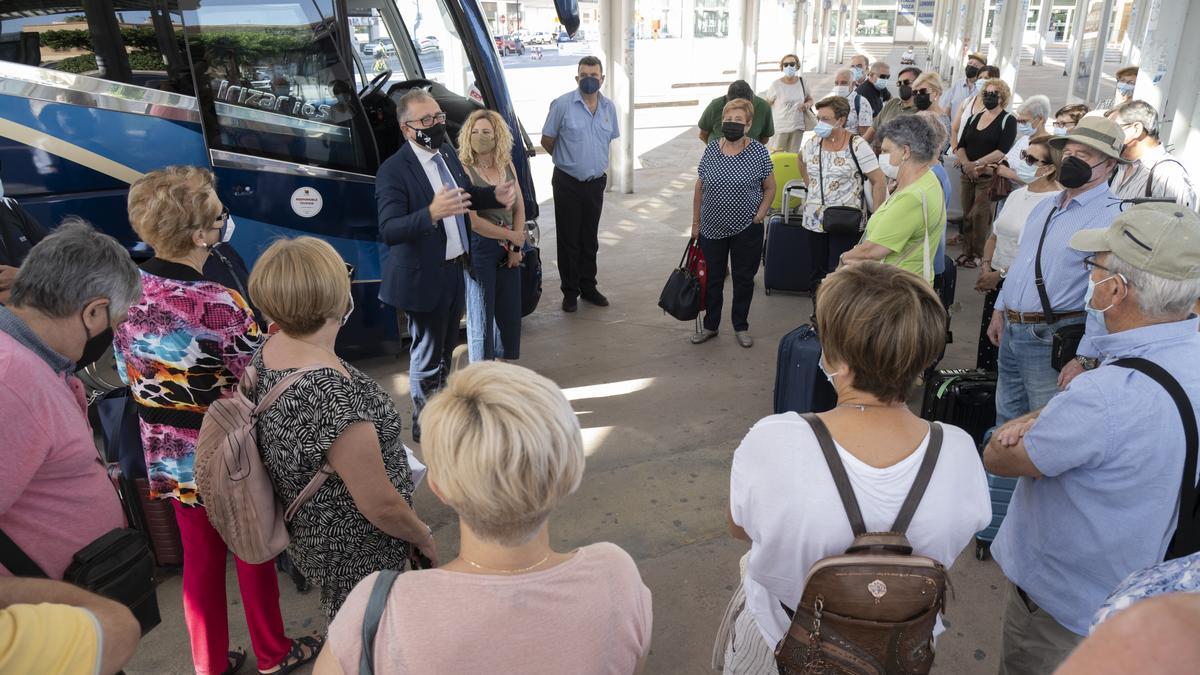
(307, 202)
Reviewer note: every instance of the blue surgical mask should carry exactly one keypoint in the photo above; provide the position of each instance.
(828, 375)
(1024, 128)
(1061, 131)
(823, 129)
(1125, 89)
(1025, 172)
(857, 73)
(978, 86)
(789, 71)
(881, 84)
(1097, 314)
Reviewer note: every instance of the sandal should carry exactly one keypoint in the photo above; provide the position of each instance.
(296, 656)
(966, 261)
(236, 659)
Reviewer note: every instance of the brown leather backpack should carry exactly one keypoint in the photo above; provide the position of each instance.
(871, 610)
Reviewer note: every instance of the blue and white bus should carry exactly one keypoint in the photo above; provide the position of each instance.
(291, 103)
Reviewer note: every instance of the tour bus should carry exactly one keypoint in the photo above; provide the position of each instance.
(277, 97)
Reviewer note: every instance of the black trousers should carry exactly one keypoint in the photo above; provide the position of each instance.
(737, 256)
(577, 206)
(825, 252)
(987, 356)
(434, 335)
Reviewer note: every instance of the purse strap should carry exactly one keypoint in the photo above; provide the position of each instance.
(846, 491)
(862, 188)
(1186, 539)
(1039, 280)
(376, 604)
(17, 560)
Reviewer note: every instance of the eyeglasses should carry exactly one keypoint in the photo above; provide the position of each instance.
(883, 77)
(904, 83)
(1031, 160)
(220, 219)
(1089, 264)
(922, 91)
(792, 64)
(429, 120)
(1064, 125)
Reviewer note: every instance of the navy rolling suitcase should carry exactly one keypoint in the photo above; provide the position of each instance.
(964, 398)
(1001, 490)
(787, 264)
(945, 284)
(800, 386)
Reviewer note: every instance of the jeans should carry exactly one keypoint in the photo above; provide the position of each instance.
(737, 256)
(1026, 381)
(493, 303)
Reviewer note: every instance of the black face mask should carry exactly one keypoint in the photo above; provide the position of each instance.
(1075, 172)
(991, 100)
(971, 72)
(922, 101)
(733, 131)
(95, 346)
(432, 137)
(904, 91)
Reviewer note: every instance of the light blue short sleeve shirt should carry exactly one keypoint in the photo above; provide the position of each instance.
(1110, 449)
(581, 137)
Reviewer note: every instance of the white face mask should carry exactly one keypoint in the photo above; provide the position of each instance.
(885, 163)
(842, 90)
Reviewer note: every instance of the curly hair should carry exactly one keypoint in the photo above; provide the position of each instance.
(504, 138)
(167, 206)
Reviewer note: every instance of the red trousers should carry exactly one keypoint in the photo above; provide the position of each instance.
(204, 605)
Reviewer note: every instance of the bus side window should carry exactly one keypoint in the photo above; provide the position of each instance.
(273, 83)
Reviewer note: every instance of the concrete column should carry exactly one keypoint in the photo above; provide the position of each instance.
(800, 31)
(1131, 51)
(975, 26)
(1043, 25)
(688, 20)
(748, 42)
(1093, 90)
(955, 30)
(935, 36)
(1076, 40)
(823, 40)
(1010, 24)
(839, 53)
(852, 26)
(1166, 79)
(618, 31)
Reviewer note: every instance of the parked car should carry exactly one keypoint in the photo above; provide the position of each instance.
(428, 43)
(541, 37)
(509, 44)
(382, 44)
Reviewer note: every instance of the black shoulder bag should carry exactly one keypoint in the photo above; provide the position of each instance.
(1186, 539)
(1066, 338)
(842, 220)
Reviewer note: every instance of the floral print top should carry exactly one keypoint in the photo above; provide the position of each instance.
(184, 345)
(1181, 575)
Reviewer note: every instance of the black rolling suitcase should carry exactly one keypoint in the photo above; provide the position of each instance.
(987, 355)
(787, 264)
(964, 398)
(800, 386)
(945, 284)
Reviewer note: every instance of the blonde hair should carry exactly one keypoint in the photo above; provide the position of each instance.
(739, 104)
(1005, 91)
(504, 138)
(930, 80)
(884, 323)
(167, 206)
(300, 283)
(503, 447)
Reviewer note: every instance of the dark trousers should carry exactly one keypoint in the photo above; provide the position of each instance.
(577, 206)
(496, 305)
(988, 354)
(737, 256)
(825, 251)
(434, 335)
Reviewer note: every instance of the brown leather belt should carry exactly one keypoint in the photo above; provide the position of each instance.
(1038, 317)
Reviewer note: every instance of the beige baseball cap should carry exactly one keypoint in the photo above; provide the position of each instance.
(1160, 238)
(1099, 133)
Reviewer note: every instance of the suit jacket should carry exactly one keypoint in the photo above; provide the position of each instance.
(413, 278)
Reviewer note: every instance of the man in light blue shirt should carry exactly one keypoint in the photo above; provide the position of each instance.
(577, 132)
(1102, 465)
(1025, 320)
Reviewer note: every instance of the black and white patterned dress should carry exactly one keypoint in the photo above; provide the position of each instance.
(333, 544)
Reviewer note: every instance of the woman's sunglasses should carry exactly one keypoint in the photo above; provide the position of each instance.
(1032, 161)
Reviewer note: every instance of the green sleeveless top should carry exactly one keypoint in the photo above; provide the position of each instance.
(503, 217)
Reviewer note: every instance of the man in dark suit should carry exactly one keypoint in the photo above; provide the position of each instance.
(423, 195)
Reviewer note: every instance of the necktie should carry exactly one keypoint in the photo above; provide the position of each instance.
(448, 180)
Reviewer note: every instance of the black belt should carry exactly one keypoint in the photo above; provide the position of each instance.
(1029, 603)
(585, 180)
(460, 260)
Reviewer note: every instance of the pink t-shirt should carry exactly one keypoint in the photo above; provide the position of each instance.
(587, 616)
(55, 497)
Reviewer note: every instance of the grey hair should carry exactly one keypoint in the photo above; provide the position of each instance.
(1138, 111)
(1037, 105)
(1157, 297)
(916, 133)
(409, 98)
(843, 71)
(74, 266)
(879, 65)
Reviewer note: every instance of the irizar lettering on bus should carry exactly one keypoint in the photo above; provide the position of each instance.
(288, 105)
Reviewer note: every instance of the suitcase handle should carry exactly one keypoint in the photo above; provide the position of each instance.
(788, 188)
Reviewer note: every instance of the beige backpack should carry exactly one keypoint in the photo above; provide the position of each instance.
(231, 478)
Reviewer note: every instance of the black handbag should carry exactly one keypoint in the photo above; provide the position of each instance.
(1066, 339)
(531, 279)
(682, 297)
(118, 566)
(841, 220)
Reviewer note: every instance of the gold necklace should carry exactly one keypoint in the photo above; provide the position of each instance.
(493, 569)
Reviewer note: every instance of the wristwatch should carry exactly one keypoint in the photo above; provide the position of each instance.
(1088, 362)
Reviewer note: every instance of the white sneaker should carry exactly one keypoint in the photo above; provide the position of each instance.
(704, 335)
(744, 339)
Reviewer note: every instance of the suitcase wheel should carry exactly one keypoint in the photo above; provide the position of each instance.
(767, 291)
(982, 550)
